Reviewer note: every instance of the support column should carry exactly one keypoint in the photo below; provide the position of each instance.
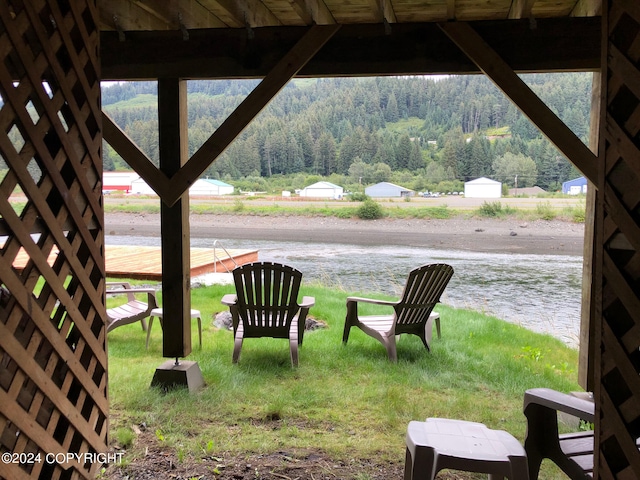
(176, 281)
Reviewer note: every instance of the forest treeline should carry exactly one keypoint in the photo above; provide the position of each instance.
(416, 131)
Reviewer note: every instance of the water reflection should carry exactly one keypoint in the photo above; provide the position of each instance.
(540, 292)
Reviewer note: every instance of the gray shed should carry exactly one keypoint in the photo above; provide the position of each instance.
(386, 189)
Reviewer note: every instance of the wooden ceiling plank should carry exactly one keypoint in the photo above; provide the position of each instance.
(130, 152)
(189, 14)
(233, 10)
(451, 9)
(320, 12)
(249, 13)
(258, 14)
(221, 11)
(130, 16)
(288, 66)
(506, 79)
(521, 9)
(587, 8)
(300, 7)
(376, 11)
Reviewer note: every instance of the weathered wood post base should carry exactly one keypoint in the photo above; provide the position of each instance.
(178, 374)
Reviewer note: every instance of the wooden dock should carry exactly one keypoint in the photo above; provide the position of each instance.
(145, 263)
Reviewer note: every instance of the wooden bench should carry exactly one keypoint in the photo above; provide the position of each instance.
(132, 311)
(572, 452)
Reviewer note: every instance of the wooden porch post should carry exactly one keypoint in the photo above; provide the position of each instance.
(173, 147)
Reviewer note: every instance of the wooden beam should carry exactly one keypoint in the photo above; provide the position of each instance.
(174, 226)
(521, 8)
(300, 7)
(252, 105)
(556, 44)
(451, 9)
(320, 12)
(474, 46)
(376, 11)
(586, 359)
(129, 151)
(250, 13)
(587, 8)
(388, 12)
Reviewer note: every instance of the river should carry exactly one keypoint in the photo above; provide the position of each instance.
(539, 292)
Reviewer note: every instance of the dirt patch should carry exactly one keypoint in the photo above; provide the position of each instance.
(474, 234)
(159, 461)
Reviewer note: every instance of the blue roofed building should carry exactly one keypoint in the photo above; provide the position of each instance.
(575, 186)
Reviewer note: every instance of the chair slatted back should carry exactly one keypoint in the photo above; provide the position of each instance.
(421, 293)
(267, 298)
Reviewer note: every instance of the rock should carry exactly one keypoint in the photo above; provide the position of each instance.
(479, 229)
(513, 234)
(313, 324)
(223, 320)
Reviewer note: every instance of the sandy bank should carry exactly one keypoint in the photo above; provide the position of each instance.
(481, 235)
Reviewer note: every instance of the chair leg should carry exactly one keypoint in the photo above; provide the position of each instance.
(200, 331)
(149, 331)
(237, 346)
(390, 345)
(293, 347)
(350, 319)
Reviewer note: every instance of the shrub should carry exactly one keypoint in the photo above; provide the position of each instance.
(493, 209)
(358, 197)
(545, 211)
(369, 210)
(238, 205)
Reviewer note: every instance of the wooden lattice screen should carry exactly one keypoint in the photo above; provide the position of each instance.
(619, 387)
(53, 364)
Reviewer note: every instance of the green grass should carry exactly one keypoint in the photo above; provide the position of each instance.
(349, 401)
(237, 206)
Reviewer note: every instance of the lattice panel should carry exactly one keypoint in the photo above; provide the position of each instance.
(53, 364)
(619, 394)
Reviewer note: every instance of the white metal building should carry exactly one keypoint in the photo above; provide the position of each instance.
(323, 190)
(140, 187)
(118, 181)
(483, 188)
(388, 190)
(205, 186)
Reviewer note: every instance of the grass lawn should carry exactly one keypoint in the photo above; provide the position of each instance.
(346, 401)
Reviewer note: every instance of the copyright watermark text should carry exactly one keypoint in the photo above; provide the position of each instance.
(27, 458)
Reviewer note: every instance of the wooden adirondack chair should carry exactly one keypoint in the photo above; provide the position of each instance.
(572, 452)
(133, 310)
(266, 305)
(413, 313)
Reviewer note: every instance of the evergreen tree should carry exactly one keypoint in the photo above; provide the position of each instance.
(403, 151)
(416, 161)
(391, 112)
(325, 155)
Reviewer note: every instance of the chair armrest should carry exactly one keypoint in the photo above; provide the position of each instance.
(373, 301)
(562, 402)
(229, 299)
(127, 291)
(152, 301)
(307, 302)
